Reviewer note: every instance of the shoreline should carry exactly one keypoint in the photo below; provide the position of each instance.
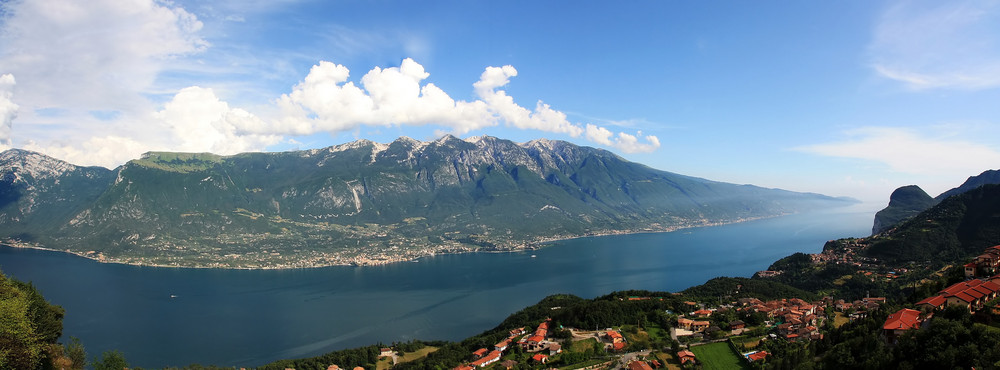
(531, 245)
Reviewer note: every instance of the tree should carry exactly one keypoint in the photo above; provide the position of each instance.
(76, 353)
(20, 347)
(110, 360)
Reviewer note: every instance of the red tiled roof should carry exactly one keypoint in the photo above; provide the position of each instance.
(618, 346)
(975, 293)
(991, 285)
(536, 338)
(903, 319)
(756, 356)
(965, 297)
(934, 301)
(981, 289)
(685, 356)
(480, 352)
(639, 365)
(970, 264)
(539, 357)
(614, 334)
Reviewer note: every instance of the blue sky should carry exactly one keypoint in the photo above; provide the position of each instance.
(850, 98)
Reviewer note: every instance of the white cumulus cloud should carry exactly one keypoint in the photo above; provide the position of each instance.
(199, 121)
(8, 110)
(195, 120)
(326, 101)
(932, 44)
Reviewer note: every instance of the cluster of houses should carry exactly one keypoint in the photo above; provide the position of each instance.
(972, 294)
(536, 342)
(847, 252)
(798, 319)
(859, 308)
(986, 264)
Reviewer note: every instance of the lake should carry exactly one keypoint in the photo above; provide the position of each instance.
(171, 317)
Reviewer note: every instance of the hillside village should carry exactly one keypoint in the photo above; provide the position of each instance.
(737, 334)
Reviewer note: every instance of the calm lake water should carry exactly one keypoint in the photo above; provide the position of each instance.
(170, 317)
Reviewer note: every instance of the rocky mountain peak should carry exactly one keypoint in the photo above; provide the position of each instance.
(23, 163)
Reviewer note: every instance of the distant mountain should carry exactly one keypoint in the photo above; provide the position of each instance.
(987, 177)
(360, 202)
(957, 228)
(904, 203)
(907, 201)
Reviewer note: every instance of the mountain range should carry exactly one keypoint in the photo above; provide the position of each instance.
(908, 201)
(358, 203)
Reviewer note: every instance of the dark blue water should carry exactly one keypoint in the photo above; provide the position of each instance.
(247, 318)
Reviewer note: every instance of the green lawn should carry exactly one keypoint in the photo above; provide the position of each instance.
(718, 356)
(583, 345)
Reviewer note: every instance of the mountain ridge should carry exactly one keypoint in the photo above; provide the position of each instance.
(908, 201)
(393, 202)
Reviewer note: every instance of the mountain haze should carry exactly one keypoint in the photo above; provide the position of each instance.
(360, 202)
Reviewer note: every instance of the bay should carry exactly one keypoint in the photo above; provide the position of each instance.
(172, 316)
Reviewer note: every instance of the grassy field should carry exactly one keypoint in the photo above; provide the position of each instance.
(747, 342)
(583, 345)
(718, 356)
(386, 362)
(839, 319)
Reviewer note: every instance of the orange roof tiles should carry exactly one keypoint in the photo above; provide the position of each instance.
(685, 356)
(757, 356)
(934, 301)
(639, 365)
(903, 320)
(965, 297)
(991, 286)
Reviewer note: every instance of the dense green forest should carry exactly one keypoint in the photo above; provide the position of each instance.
(29, 328)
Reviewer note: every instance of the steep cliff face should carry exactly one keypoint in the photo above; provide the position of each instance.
(365, 197)
(905, 202)
(908, 201)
